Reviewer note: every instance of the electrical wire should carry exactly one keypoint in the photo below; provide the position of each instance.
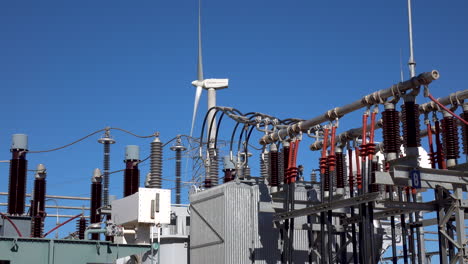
(70, 144)
(448, 110)
(64, 223)
(133, 134)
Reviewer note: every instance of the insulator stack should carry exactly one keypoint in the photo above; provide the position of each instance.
(81, 227)
(155, 179)
(375, 167)
(340, 170)
(313, 177)
(264, 163)
(207, 183)
(247, 172)
(131, 173)
(411, 128)
(391, 131)
(229, 168)
(285, 159)
(228, 175)
(178, 148)
(17, 181)
(37, 226)
(38, 202)
(464, 115)
(96, 200)
(214, 166)
(281, 167)
(274, 181)
(450, 138)
(131, 178)
(350, 166)
(106, 140)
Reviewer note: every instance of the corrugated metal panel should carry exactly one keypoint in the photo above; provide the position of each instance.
(232, 210)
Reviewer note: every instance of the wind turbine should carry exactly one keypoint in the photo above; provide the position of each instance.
(211, 85)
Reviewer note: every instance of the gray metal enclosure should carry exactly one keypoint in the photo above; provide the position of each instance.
(233, 223)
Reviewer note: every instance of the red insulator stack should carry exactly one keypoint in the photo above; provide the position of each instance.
(411, 128)
(391, 131)
(81, 227)
(340, 170)
(358, 170)
(450, 138)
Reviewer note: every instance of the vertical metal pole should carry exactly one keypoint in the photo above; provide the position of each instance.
(404, 231)
(412, 69)
(440, 216)
(460, 225)
(411, 62)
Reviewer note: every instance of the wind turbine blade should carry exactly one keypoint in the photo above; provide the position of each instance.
(200, 60)
(195, 107)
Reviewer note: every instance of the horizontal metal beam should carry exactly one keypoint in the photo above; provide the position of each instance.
(430, 178)
(429, 206)
(57, 207)
(337, 112)
(58, 197)
(365, 198)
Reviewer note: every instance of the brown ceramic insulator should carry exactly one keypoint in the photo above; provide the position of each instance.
(411, 127)
(38, 204)
(340, 170)
(228, 175)
(207, 183)
(464, 115)
(450, 138)
(131, 177)
(285, 152)
(17, 183)
(274, 181)
(391, 131)
(81, 227)
(37, 226)
(96, 202)
(372, 186)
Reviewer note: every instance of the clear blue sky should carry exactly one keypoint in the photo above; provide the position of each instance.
(68, 68)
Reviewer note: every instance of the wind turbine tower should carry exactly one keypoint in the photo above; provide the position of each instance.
(211, 85)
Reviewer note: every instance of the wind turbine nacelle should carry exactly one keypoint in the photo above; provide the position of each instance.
(212, 83)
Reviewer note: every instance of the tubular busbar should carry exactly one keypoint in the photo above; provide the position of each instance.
(376, 97)
(423, 108)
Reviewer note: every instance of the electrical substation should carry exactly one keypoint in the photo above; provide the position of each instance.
(361, 202)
